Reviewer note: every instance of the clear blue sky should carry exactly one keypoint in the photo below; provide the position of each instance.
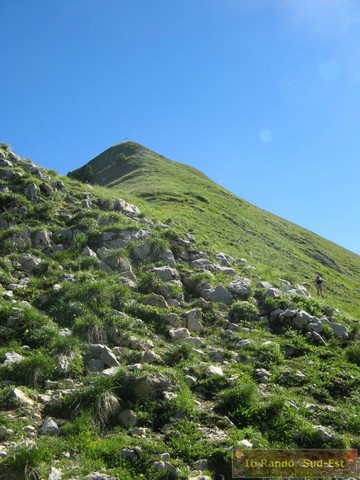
(263, 96)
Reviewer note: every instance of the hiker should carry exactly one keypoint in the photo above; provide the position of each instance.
(319, 285)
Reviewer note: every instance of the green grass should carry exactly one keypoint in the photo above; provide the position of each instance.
(170, 191)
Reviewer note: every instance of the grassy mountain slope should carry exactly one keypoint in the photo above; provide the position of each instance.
(186, 199)
(132, 349)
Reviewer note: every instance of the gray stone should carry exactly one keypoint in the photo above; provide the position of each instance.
(12, 357)
(4, 162)
(4, 433)
(214, 370)
(150, 357)
(105, 354)
(55, 474)
(302, 319)
(128, 453)
(314, 326)
(339, 331)
(58, 184)
(50, 427)
(178, 333)
(172, 319)
(88, 252)
(273, 292)
(31, 191)
(127, 208)
(202, 464)
(6, 174)
(323, 434)
(152, 386)
(128, 418)
(164, 456)
(265, 285)
(218, 294)
(21, 398)
(224, 260)
(245, 444)
(167, 257)
(203, 264)
(195, 341)
(241, 288)
(166, 274)
(317, 337)
(41, 239)
(200, 477)
(156, 301)
(28, 262)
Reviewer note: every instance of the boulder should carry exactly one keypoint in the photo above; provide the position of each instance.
(178, 333)
(128, 209)
(203, 264)
(28, 262)
(128, 418)
(31, 191)
(224, 260)
(12, 357)
(55, 474)
(166, 274)
(167, 257)
(219, 294)
(241, 288)
(214, 370)
(41, 239)
(50, 427)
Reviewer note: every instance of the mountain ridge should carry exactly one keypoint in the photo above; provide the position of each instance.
(185, 198)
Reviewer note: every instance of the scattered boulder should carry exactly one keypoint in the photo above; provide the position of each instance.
(218, 294)
(128, 418)
(28, 262)
(50, 427)
(178, 333)
(122, 206)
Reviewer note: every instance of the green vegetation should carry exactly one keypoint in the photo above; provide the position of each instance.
(143, 371)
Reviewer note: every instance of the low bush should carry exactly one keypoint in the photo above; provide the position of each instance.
(243, 310)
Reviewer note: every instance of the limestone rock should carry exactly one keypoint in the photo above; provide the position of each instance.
(166, 274)
(41, 239)
(12, 357)
(178, 333)
(241, 288)
(127, 208)
(31, 191)
(50, 427)
(28, 262)
(128, 418)
(55, 474)
(214, 370)
(218, 294)
(22, 399)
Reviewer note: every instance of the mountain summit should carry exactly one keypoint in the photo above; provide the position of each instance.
(185, 198)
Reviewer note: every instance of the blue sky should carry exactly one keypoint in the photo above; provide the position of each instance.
(263, 96)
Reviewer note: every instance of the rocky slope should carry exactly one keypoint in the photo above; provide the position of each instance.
(129, 352)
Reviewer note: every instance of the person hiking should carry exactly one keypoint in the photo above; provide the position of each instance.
(319, 285)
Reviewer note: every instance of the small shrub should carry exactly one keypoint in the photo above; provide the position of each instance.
(25, 462)
(242, 310)
(353, 354)
(267, 355)
(237, 403)
(179, 354)
(32, 371)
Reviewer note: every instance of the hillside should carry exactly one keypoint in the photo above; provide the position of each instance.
(133, 347)
(186, 199)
